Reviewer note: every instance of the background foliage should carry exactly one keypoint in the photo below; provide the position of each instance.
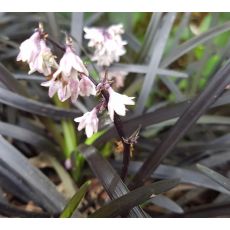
(178, 71)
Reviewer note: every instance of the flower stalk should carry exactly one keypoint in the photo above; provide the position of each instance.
(117, 123)
(71, 79)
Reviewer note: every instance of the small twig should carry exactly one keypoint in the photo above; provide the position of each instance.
(117, 122)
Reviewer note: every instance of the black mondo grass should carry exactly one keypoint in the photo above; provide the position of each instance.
(138, 131)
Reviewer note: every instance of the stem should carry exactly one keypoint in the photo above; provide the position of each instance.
(127, 148)
(70, 139)
(68, 130)
(117, 122)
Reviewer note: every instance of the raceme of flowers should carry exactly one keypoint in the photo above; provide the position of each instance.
(70, 78)
(107, 43)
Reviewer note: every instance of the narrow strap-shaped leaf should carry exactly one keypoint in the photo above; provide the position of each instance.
(137, 68)
(155, 61)
(173, 88)
(12, 184)
(20, 101)
(166, 203)
(183, 24)
(27, 136)
(11, 211)
(189, 117)
(77, 22)
(205, 211)
(9, 81)
(214, 89)
(75, 201)
(109, 178)
(68, 184)
(123, 204)
(40, 185)
(188, 176)
(217, 159)
(162, 114)
(35, 107)
(192, 43)
(53, 26)
(149, 35)
(224, 181)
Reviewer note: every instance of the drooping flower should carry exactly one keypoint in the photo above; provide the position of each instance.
(53, 84)
(44, 60)
(35, 52)
(89, 121)
(117, 103)
(29, 49)
(70, 62)
(67, 78)
(65, 87)
(86, 87)
(108, 44)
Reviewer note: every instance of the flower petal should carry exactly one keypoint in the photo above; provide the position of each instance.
(89, 130)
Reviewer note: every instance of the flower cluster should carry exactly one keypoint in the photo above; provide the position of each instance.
(65, 80)
(107, 43)
(35, 52)
(108, 47)
(71, 78)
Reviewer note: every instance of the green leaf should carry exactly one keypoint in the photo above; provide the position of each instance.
(205, 24)
(75, 201)
(199, 51)
(210, 65)
(123, 204)
(94, 137)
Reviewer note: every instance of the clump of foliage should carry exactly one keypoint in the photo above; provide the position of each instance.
(168, 157)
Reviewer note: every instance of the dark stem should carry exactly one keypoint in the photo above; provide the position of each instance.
(117, 121)
(127, 147)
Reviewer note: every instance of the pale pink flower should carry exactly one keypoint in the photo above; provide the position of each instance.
(86, 87)
(64, 92)
(95, 36)
(64, 87)
(66, 78)
(89, 121)
(117, 103)
(35, 52)
(115, 30)
(44, 60)
(54, 85)
(108, 44)
(70, 62)
(30, 48)
(73, 82)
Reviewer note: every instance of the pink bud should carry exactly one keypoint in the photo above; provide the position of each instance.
(68, 164)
